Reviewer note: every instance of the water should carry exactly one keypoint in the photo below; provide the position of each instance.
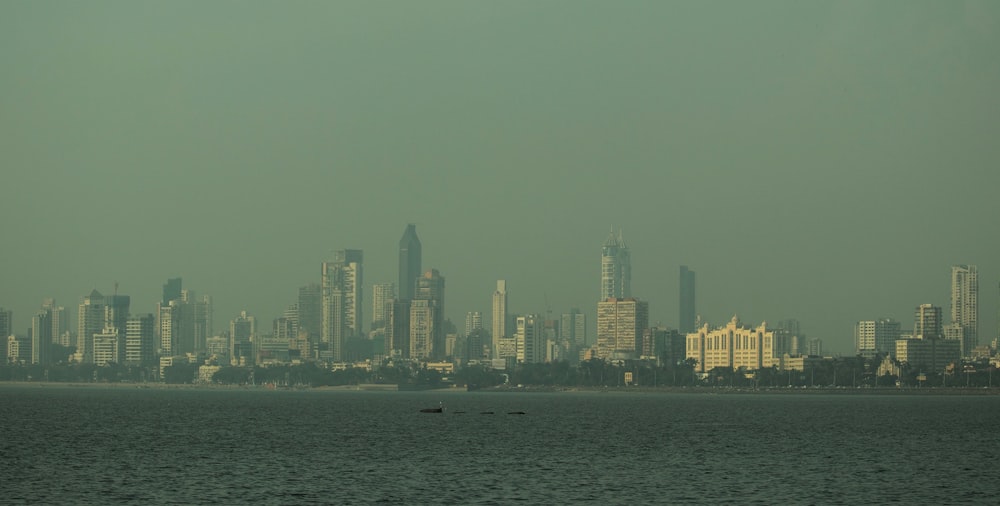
(165, 446)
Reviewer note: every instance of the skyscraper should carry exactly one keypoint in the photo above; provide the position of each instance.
(41, 336)
(171, 290)
(342, 300)
(140, 340)
(242, 334)
(409, 262)
(499, 315)
(573, 327)
(688, 314)
(90, 321)
(310, 311)
(473, 322)
(965, 304)
(620, 324)
(427, 326)
(616, 268)
(382, 296)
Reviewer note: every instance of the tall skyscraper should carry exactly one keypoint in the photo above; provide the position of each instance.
(60, 327)
(90, 321)
(41, 336)
(688, 315)
(310, 311)
(202, 314)
(499, 315)
(620, 325)
(927, 322)
(397, 332)
(342, 300)
(409, 262)
(382, 296)
(616, 268)
(6, 330)
(427, 325)
(965, 304)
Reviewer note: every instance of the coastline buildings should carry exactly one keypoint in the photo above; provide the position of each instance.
(529, 339)
(616, 268)
(242, 334)
(310, 311)
(927, 349)
(397, 332)
(736, 346)
(687, 314)
(573, 328)
(427, 325)
(382, 296)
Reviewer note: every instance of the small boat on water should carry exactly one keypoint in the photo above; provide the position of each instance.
(439, 409)
(516, 413)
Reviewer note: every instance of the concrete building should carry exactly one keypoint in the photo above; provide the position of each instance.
(342, 281)
(90, 321)
(872, 337)
(499, 316)
(620, 324)
(397, 333)
(140, 340)
(928, 355)
(814, 347)
(41, 337)
(242, 334)
(927, 322)
(107, 347)
(573, 328)
(965, 304)
(310, 311)
(529, 341)
(382, 295)
(6, 328)
(473, 322)
(427, 323)
(616, 268)
(736, 346)
(687, 313)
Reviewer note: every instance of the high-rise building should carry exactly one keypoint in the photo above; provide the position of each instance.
(473, 322)
(814, 347)
(41, 336)
(397, 332)
(573, 327)
(620, 324)
(90, 320)
(286, 327)
(409, 262)
(310, 311)
(6, 330)
(342, 300)
(965, 304)
(171, 290)
(382, 295)
(107, 346)
(687, 316)
(60, 327)
(427, 324)
(242, 334)
(202, 314)
(927, 322)
(529, 339)
(140, 339)
(616, 268)
(873, 337)
(499, 315)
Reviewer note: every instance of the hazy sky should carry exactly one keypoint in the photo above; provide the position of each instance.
(826, 161)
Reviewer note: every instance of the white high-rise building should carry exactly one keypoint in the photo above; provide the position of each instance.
(965, 304)
(529, 339)
(499, 315)
(616, 268)
(876, 336)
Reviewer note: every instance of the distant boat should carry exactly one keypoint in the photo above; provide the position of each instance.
(485, 412)
(439, 409)
(516, 413)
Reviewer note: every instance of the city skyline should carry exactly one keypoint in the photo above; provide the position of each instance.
(789, 153)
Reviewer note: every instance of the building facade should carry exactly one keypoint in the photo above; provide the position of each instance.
(687, 313)
(965, 304)
(736, 346)
(499, 323)
(620, 324)
(342, 300)
(872, 337)
(410, 258)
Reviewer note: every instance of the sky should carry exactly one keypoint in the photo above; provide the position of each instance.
(824, 161)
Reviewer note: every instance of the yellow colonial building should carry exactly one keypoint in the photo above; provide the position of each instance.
(736, 346)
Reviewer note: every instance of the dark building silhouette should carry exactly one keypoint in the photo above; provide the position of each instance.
(686, 320)
(409, 262)
(171, 290)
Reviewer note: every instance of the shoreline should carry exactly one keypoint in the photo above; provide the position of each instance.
(937, 391)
